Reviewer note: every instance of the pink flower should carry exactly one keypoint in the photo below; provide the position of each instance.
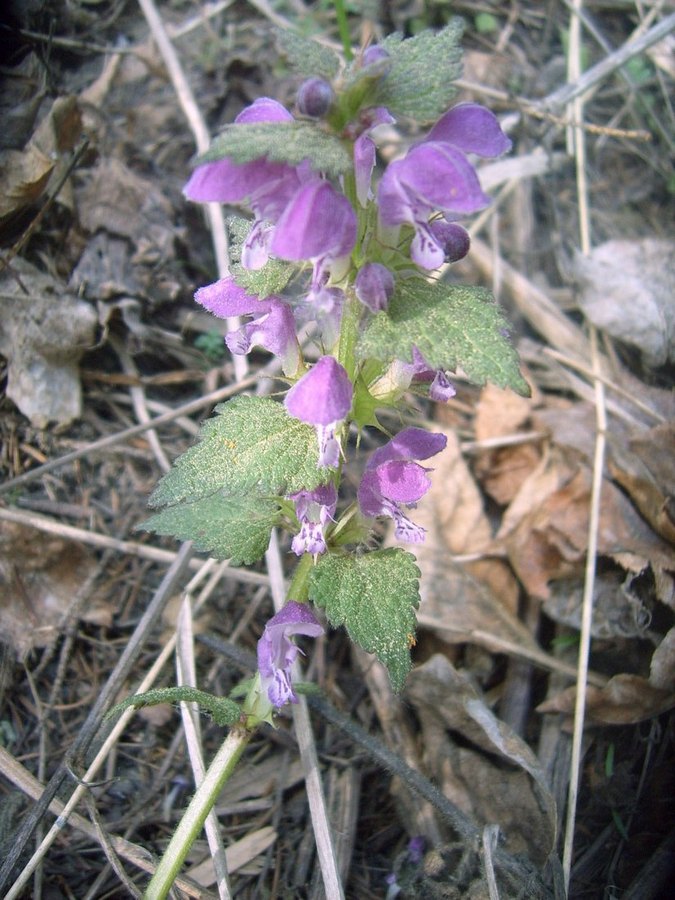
(277, 653)
(392, 479)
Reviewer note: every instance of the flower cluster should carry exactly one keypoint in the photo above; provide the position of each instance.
(356, 244)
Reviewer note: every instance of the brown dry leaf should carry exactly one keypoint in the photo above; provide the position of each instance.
(24, 176)
(627, 289)
(500, 412)
(625, 700)
(479, 596)
(452, 512)
(617, 610)
(259, 780)
(43, 332)
(40, 576)
(503, 470)
(117, 200)
(514, 795)
(545, 530)
(646, 469)
(237, 855)
(662, 669)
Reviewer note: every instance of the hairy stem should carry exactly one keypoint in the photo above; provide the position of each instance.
(195, 815)
(343, 28)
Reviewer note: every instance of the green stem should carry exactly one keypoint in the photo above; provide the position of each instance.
(298, 589)
(343, 27)
(195, 815)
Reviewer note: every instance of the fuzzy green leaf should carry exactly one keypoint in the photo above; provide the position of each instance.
(289, 142)
(420, 82)
(453, 326)
(271, 279)
(251, 446)
(306, 56)
(234, 528)
(222, 710)
(374, 596)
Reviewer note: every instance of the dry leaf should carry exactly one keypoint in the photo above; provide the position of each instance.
(645, 468)
(237, 855)
(662, 669)
(40, 576)
(500, 412)
(502, 471)
(453, 513)
(625, 700)
(117, 200)
(627, 289)
(617, 610)
(514, 796)
(26, 174)
(545, 530)
(43, 332)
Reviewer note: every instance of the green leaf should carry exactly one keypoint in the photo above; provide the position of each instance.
(222, 710)
(452, 326)
(251, 446)
(306, 56)
(420, 82)
(374, 596)
(271, 279)
(234, 528)
(289, 142)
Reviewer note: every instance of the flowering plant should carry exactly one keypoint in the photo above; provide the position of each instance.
(357, 260)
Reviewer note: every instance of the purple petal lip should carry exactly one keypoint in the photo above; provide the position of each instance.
(433, 176)
(296, 618)
(402, 481)
(472, 129)
(224, 181)
(411, 443)
(224, 298)
(317, 222)
(264, 109)
(323, 396)
(374, 286)
(324, 495)
(392, 478)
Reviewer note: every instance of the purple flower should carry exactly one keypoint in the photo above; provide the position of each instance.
(322, 398)
(272, 326)
(318, 225)
(441, 388)
(436, 176)
(392, 478)
(314, 510)
(374, 286)
(277, 653)
(267, 187)
(471, 128)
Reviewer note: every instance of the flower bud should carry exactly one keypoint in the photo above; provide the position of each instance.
(453, 239)
(374, 286)
(373, 54)
(314, 97)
